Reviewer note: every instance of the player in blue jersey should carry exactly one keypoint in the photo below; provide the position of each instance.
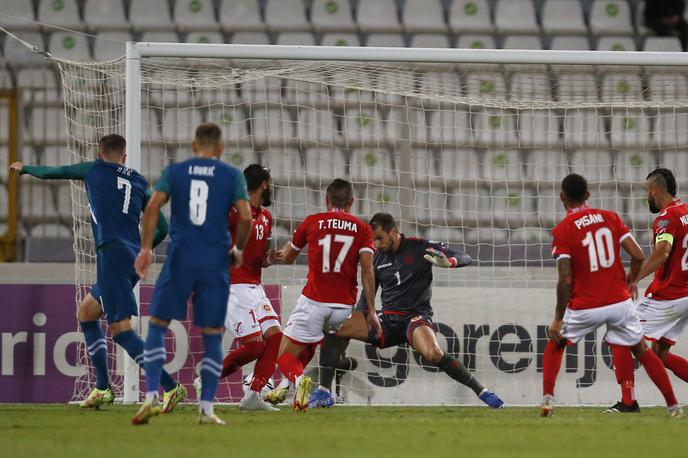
(116, 198)
(202, 191)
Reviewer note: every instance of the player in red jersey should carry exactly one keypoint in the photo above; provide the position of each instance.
(250, 316)
(664, 309)
(337, 241)
(593, 290)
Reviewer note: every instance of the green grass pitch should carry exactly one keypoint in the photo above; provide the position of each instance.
(353, 432)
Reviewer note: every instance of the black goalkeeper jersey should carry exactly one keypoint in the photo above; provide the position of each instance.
(406, 277)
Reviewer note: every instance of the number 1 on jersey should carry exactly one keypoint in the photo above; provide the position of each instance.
(326, 242)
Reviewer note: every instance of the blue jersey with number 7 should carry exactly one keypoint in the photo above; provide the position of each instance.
(202, 192)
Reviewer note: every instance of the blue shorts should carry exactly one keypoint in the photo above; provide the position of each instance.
(177, 283)
(115, 281)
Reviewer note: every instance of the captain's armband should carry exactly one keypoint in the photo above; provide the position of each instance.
(665, 238)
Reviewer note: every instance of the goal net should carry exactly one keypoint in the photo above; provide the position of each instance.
(468, 154)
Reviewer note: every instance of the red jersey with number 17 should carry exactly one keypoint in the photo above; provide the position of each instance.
(335, 240)
(671, 279)
(592, 239)
(257, 244)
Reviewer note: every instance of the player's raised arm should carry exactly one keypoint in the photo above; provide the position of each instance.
(63, 172)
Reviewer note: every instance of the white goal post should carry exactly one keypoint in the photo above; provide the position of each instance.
(498, 202)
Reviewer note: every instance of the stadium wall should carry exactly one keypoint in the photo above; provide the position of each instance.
(500, 333)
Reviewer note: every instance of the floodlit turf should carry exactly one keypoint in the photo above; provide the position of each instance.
(353, 432)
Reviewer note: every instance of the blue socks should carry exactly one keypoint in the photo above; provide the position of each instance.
(97, 349)
(211, 366)
(154, 358)
(133, 345)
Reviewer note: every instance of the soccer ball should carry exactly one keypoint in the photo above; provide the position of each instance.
(248, 378)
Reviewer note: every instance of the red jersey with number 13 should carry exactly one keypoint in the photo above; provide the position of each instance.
(258, 239)
(671, 279)
(335, 240)
(592, 239)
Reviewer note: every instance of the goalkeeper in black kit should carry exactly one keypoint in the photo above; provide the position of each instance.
(403, 269)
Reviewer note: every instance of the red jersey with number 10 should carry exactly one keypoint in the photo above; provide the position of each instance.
(335, 240)
(592, 239)
(671, 279)
(258, 239)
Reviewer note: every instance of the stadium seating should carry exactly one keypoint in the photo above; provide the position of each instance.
(610, 17)
(204, 37)
(18, 15)
(449, 127)
(667, 86)
(633, 166)
(616, 43)
(385, 40)
(17, 55)
(596, 166)
(515, 16)
(662, 44)
(48, 124)
(378, 16)
(109, 45)
(630, 129)
(150, 15)
(272, 127)
(538, 129)
(424, 16)
(316, 126)
(196, 15)
(62, 13)
(671, 130)
(340, 39)
(70, 46)
(470, 16)
(250, 38)
(563, 17)
(286, 16)
(240, 16)
(424, 40)
(498, 164)
(325, 163)
(39, 86)
(103, 15)
(179, 125)
(567, 42)
(296, 38)
(460, 164)
(283, 162)
(585, 128)
(494, 128)
(372, 165)
(476, 42)
(332, 16)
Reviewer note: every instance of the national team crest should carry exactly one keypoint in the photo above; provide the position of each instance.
(267, 307)
(663, 223)
(416, 318)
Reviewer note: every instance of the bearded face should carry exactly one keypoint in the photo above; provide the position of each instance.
(266, 196)
(652, 204)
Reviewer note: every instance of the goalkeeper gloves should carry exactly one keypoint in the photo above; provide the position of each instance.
(438, 258)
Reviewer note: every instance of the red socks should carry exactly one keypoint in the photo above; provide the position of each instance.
(306, 355)
(623, 367)
(655, 369)
(677, 365)
(250, 351)
(290, 366)
(551, 363)
(265, 365)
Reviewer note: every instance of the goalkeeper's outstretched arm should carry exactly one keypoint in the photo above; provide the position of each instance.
(441, 255)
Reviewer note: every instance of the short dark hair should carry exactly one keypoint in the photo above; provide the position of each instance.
(575, 187)
(208, 136)
(340, 192)
(255, 174)
(384, 221)
(664, 178)
(112, 144)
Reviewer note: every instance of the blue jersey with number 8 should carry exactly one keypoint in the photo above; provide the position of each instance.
(202, 192)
